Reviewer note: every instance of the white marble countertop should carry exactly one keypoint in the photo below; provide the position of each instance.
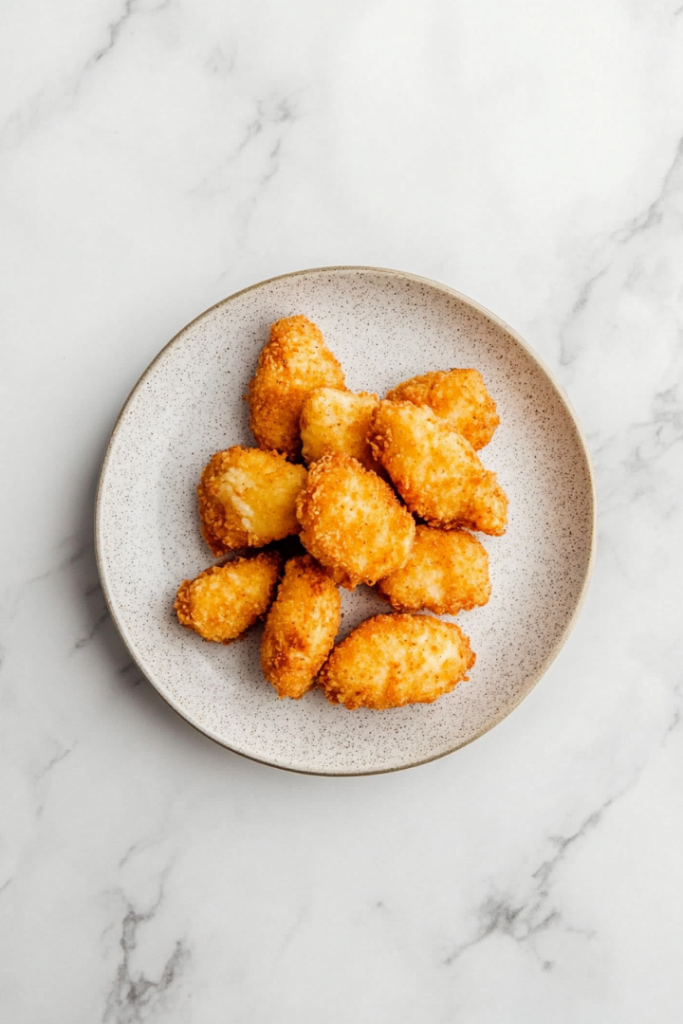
(154, 158)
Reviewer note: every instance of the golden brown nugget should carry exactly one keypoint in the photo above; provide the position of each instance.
(224, 600)
(392, 660)
(300, 629)
(457, 396)
(293, 362)
(333, 420)
(435, 470)
(247, 498)
(447, 572)
(352, 522)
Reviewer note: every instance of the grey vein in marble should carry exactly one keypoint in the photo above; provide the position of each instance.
(523, 919)
(661, 206)
(51, 99)
(133, 996)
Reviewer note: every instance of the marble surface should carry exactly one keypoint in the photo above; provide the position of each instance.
(157, 156)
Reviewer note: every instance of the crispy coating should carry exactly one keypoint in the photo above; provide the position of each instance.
(352, 522)
(333, 420)
(247, 498)
(435, 470)
(293, 362)
(457, 396)
(224, 600)
(300, 629)
(448, 571)
(392, 660)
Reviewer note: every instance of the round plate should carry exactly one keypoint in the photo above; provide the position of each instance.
(384, 326)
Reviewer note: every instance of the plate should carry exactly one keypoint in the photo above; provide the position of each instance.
(384, 326)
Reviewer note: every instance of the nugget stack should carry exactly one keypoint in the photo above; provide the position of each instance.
(350, 474)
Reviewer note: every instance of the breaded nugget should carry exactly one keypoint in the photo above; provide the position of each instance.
(333, 420)
(447, 571)
(457, 396)
(224, 600)
(352, 522)
(293, 362)
(392, 660)
(435, 470)
(247, 498)
(300, 629)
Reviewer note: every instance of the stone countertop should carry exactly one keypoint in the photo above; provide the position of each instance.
(156, 157)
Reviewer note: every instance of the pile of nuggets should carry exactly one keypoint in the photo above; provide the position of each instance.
(350, 475)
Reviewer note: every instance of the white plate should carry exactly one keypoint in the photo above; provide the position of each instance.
(384, 326)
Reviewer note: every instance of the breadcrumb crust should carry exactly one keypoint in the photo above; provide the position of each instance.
(333, 420)
(457, 396)
(447, 572)
(435, 470)
(294, 361)
(247, 498)
(392, 660)
(300, 629)
(352, 522)
(225, 600)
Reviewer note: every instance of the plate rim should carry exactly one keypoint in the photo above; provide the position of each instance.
(531, 683)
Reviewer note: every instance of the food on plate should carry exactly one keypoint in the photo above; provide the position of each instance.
(457, 396)
(392, 660)
(335, 420)
(435, 470)
(300, 629)
(224, 600)
(340, 522)
(247, 498)
(447, 572)
(293, 362)
(352, 522)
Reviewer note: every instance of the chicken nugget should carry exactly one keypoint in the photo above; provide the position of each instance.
(457, 396)
(447, 572)
(247, 498)
(300, 629)
(352, 522)
(333, 420)
(224, 600)
(293, 362)
(392, 660)
(435, 470)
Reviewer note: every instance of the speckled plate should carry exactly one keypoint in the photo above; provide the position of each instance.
(384, 326)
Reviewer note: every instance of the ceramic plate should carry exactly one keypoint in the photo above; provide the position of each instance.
(384, 326)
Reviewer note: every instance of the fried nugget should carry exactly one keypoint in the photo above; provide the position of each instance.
(352, 522)
(457, 396)
(333, 420)
(392, 660)
(247, 498)
(293, 362)
(224, 600)
(447, 572)
(435, 470)
(300, 629)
